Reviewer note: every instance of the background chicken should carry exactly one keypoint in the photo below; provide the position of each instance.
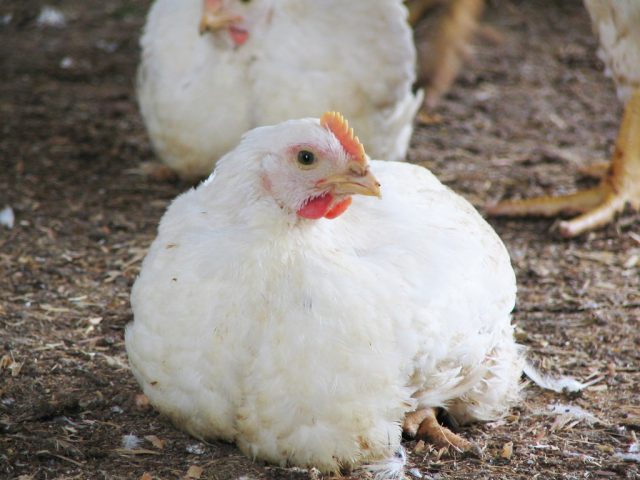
(308, 341)
(263, 62)
(617, 24)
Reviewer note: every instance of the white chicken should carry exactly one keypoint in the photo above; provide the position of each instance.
(264, 62)
(310, 341)
(617, 24)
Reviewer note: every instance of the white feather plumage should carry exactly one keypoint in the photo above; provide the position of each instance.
(199, 94)
(307, 341)
(617, 25)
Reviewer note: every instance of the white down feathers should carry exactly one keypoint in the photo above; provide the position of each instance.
(199, 94)
(617, 25)
(307, 341)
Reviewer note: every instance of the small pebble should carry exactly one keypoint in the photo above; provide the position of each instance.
(51, 17)
(414, 472)
(7, 218)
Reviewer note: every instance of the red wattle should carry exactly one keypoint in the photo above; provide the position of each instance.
(316, 207)
(338, 209)
(238, 35)
(321, 206)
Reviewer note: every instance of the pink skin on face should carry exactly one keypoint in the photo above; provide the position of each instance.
(324, 205)
(317, 207)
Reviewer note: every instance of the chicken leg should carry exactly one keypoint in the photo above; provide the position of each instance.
(599, 205)
(451, 46)
(424, 425)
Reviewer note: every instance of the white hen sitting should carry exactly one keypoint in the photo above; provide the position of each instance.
(264, 62)
(308, 341)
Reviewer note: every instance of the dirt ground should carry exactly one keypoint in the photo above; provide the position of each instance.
(526, 113)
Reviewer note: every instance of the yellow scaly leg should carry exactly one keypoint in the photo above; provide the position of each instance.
(619, 187)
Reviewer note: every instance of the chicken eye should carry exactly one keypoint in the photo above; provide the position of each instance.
(306, 158)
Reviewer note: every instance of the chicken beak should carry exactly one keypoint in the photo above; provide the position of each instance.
(214, 17)
(355, 182)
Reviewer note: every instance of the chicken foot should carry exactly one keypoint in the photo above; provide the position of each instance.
(424, 425)
(599, 205)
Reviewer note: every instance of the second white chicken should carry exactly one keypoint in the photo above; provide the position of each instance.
(261, 62)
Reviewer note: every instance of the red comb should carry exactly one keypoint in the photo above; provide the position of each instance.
(339, 126)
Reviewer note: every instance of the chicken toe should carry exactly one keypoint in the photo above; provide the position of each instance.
(157, 172)
(596, 170)
(424, 425)
(620, 186)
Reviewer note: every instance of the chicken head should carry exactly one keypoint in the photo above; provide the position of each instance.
(217, 16)
(318, 168)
